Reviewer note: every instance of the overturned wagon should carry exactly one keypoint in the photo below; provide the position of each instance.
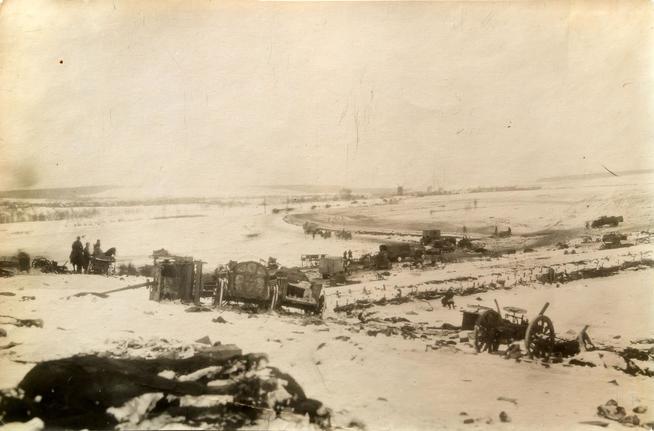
(251, 282)
(176, 278)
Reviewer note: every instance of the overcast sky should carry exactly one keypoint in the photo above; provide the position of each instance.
(221, 94)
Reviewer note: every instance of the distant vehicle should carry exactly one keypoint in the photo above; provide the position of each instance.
(330, 266)
(400, 250)
(445, 244)
(311, 260)
(614, 240)
(607, 221)
(343, 234)
(381, 260)
(430, 235)
(436, 243)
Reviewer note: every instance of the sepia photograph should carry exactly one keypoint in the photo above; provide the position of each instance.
(326, 215)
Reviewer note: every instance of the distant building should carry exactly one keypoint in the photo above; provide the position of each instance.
(400, 190)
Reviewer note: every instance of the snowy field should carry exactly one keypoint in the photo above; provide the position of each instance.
(369, 380)
(556, 207)
(387, 383)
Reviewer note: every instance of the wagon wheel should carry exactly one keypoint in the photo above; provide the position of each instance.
(486, 329)
(539, 339)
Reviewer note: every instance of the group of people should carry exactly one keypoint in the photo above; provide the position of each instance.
(80, 255)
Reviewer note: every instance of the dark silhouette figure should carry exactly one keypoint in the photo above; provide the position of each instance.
(97, 250)
(76, 255)
(86, 257)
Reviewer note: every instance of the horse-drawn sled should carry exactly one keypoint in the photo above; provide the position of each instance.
(102, 265)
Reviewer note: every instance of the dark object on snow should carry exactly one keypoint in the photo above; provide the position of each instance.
(448, 299)
(611, 410)
(596, 423)
(491, 330)
(251, 282)
(28, 323)
(102, 264)
(76, 392)
(49, 266)
(204, 340)
(614, 240)
(606, 221)
(24, 262)
(176, 278)
(197, 308)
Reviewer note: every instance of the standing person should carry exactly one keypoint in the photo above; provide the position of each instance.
(97, 250)
(76, 255)
(86, 257)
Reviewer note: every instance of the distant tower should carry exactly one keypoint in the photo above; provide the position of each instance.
(400, 190)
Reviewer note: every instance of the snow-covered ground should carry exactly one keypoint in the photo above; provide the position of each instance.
(384, 382)
(388, 383)
(218, 235)
(554, 207)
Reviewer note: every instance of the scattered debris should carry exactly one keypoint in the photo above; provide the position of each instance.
(7, 294)
(640, 409)
(9, 346)
(101, 393)
(28, 323)
(219, 319)
(613, 411)
(510, 400)
(504, 417)
(552, 277)
(97, 294)
(197, 309)
(49, 266)
(596, 423)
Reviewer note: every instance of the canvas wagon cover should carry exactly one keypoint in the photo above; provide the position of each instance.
(249, 281)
